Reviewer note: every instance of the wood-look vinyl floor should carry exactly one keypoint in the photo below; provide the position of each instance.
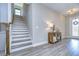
(66, 47)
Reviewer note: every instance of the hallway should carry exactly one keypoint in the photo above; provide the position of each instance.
(25, 29)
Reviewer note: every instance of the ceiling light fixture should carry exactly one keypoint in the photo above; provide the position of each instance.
(72, 11)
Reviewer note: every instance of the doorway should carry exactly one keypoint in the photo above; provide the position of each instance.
(18, 9)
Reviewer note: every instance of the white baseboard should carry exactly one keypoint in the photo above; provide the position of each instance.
(71, 37)
(41, 43)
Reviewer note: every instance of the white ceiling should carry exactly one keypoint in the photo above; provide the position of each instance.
(62, 7)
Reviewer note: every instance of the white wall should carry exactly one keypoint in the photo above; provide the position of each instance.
(2, 40)
(36, 17)
(67, 27)
(41, 14)
(27, 13)
(2, 37)
(5, 17)
(5, 12)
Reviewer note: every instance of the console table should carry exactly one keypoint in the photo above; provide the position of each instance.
(54, 37)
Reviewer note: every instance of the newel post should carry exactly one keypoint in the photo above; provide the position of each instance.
(7, 40)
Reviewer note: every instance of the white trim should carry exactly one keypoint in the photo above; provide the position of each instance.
(38, 44)
(9, 13)
(71, 37)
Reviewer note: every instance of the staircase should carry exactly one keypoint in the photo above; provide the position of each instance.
(20, 35)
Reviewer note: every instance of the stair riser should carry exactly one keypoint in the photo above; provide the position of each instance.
(20, 37)
(19, 30)
(21, 41)
(19, 26)
(22, 45)
(19, 23)
(21, 34)
(20, 49)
